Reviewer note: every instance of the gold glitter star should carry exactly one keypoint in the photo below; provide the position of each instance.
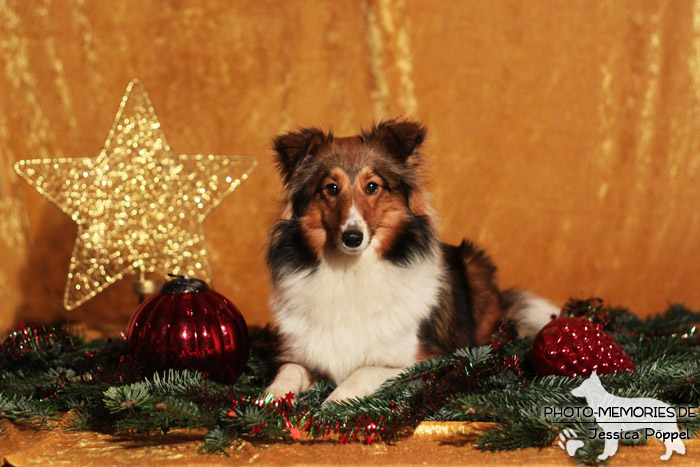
(138, 205)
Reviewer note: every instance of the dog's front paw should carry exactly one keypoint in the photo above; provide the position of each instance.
(362, 382)
(290, 378)
(343, 392)
(280, 391)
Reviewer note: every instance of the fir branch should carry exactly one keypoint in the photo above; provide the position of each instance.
(26, 410)
(216, 441)
(131, 397)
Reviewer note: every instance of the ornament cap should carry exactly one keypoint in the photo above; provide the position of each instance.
(184, 284)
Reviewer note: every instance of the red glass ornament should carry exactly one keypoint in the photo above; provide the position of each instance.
(189, 326)
(576, 347)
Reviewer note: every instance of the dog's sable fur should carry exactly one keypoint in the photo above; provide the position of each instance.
(362, 287)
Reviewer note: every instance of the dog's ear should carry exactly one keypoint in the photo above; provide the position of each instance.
(295, 147)
(400, 138)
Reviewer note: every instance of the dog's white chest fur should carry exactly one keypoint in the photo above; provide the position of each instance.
(353, 312)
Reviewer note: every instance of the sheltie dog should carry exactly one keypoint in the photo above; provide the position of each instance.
(362, 287)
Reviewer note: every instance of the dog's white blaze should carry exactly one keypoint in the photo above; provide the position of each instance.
(355, 221)
(356, 311)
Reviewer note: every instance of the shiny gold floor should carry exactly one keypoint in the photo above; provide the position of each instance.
(433, 444)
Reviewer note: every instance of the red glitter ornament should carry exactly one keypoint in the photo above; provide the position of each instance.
(576, 347)
(189, 326)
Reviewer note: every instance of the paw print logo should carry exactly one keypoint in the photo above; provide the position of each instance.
(567, 443)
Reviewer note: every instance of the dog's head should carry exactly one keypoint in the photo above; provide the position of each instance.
(355, 192)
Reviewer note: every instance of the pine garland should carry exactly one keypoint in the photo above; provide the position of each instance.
(48, 371)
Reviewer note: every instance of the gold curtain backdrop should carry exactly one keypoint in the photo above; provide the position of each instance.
(563, 136)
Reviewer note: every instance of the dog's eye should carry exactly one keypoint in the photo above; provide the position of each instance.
(332, 189)
(371, 188)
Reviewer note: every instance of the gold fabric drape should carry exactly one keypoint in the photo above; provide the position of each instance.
(563, 135)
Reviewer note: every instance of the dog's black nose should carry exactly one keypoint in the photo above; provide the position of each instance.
(352, 238)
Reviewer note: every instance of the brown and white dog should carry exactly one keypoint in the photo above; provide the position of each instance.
(362, 287)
